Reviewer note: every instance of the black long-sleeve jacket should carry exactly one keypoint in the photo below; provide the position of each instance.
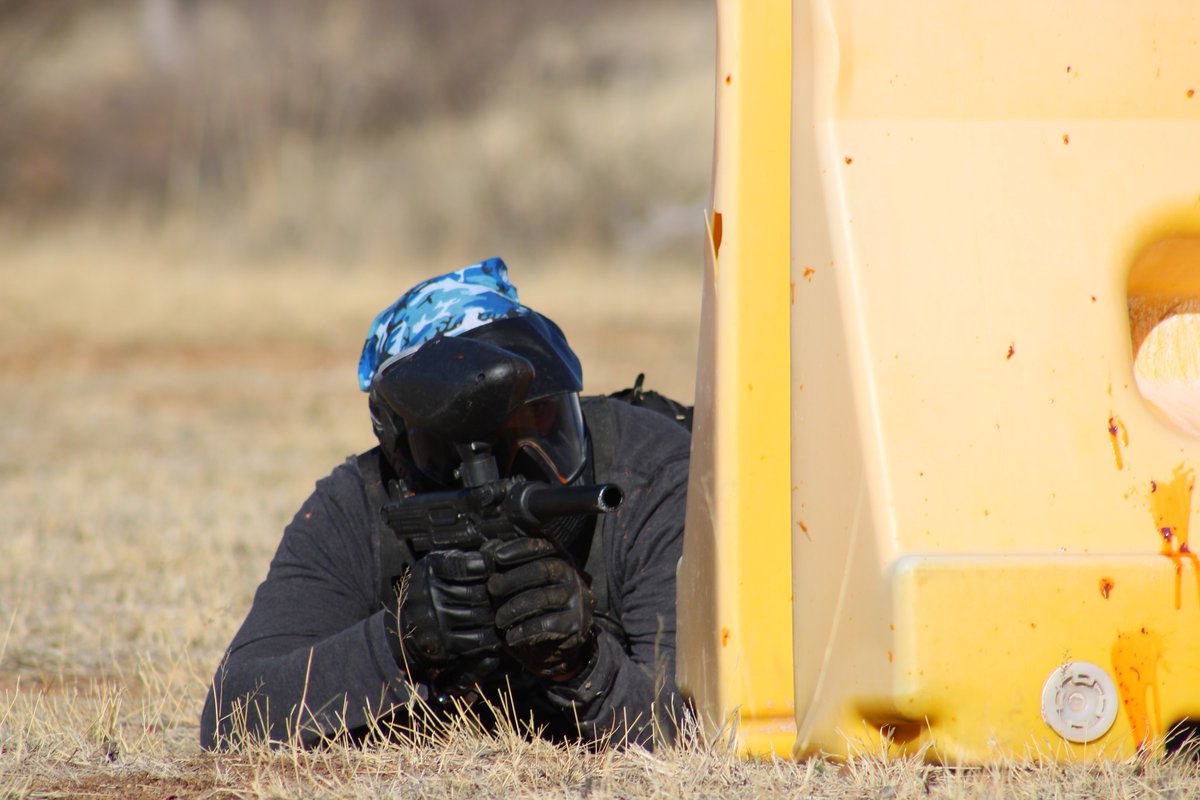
(312, 656)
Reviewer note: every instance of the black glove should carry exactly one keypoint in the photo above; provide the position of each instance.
(446, 625)
(543, 607)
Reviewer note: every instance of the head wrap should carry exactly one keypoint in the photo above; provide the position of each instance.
(447, 305)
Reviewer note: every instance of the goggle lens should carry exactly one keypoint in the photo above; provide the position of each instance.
(543, 439)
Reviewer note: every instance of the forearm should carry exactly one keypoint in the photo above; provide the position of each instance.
(282, 690)
(623, 699)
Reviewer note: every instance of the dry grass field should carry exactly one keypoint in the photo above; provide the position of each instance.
(202, 205)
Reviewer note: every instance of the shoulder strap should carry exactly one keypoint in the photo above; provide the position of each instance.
(603, 435)
(394, 557)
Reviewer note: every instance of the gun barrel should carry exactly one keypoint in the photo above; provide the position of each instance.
(569, 501)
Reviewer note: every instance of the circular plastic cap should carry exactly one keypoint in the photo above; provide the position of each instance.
(1079, 701)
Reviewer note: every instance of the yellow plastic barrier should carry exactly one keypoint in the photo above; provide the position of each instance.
(735, 580)
(989, 343)
(995, 208)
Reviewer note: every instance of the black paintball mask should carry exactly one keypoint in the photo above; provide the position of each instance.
(512, 384)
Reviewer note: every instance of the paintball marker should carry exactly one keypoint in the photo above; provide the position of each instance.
(458, 393)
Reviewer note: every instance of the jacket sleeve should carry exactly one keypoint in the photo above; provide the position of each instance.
(312, 657)
(629, 694)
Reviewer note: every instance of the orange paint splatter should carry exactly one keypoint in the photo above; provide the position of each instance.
(716, 233)
(804, 529)
(792, 287)
(1171, 505)
(1118, 437)
(891, 657)
(1135, 658)
(1066, 138)
(724, 636)
(1012, 350)
(1191, 93)
(728, 79)
(1106, 587)
(808, 274)
(849, 160)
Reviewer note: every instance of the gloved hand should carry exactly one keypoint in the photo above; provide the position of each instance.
(446, 625)
(543, 607)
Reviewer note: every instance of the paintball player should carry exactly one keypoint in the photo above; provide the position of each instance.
(569, 612)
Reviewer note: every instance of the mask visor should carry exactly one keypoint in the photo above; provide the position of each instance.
(544, 439)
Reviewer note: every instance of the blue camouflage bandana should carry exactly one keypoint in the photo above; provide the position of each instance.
(443, 306)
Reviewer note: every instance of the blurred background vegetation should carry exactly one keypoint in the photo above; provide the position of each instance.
(359, 131)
